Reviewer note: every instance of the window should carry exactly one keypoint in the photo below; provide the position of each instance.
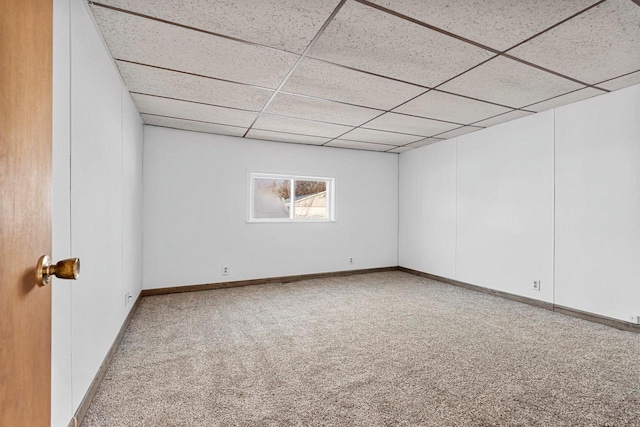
(284, 198)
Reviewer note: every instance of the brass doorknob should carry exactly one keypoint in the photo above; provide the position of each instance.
(65, 269)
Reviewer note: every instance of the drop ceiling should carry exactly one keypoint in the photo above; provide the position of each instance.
(379, 75)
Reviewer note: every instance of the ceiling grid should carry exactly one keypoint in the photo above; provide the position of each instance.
(379, 75)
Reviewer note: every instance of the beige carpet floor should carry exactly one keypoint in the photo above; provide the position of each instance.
(368, 350)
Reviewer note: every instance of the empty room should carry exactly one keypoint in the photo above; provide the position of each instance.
(320, 213)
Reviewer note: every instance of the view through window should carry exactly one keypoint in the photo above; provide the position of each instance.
(290, 198)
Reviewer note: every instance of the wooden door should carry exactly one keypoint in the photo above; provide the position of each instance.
(25, 218)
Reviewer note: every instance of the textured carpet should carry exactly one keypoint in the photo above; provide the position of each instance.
(366, 350)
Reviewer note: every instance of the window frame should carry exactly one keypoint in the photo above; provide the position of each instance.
(331, 197)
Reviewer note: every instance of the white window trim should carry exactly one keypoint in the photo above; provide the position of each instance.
(331, 197)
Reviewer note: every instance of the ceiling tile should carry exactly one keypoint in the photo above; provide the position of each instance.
(359, 145)
(193, 125)
(512, 115)
(284, 24)
(453, 108)
(409, 124)
(621, 82)
(368, 39)
(495, 23)
(155, 81)
(286, 137)
(319, 109)
(379, 137)
(576, 96)
(299, 126)
(423, 142)
(400, 149)
(458, 132)
(508, 82)
(190, 110)
(599, 44)
(417, 144)
(316, 78)
(137, 39)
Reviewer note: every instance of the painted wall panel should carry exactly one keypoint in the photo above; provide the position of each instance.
(505, 207)
(195, 189)
(553, 196)
(96, 200)
(598, 204)
(97, 204)
(61, 402)
(132, 148)
(428, 209)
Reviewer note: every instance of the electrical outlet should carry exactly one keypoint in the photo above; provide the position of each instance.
(536, 285)
(127, 298)
(351, 260)
(225, 270)
(635, 319)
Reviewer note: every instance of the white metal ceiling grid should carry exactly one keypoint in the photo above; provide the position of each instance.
(380, 75)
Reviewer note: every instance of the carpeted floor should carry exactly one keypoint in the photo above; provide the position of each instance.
(366, 350)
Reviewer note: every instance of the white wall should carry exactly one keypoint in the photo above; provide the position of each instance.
(428, 222)
(132, 152)
(97, 210)
(598, 204)
(195, 199)
(505, 207)
(508, 184)
(61, 404)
